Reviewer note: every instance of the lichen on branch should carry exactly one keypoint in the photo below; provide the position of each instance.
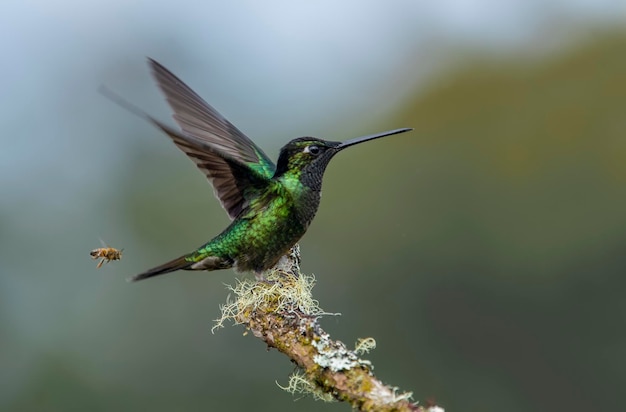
(281, 311)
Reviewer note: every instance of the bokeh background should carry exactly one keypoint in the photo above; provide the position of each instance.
(485, 251)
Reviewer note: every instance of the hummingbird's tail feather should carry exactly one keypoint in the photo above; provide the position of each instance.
(171, 266)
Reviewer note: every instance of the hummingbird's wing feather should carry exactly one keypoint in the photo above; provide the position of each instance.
(234, 182)
(223, 140)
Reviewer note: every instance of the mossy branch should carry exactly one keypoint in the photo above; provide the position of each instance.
(281, 311)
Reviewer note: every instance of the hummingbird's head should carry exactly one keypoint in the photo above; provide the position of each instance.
(307, 157)
(305, 153)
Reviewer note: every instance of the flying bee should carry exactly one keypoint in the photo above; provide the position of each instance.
(105, 253)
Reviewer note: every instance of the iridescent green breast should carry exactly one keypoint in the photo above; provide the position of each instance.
(264, 232)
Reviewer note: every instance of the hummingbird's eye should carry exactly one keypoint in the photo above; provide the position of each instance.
(314, 150)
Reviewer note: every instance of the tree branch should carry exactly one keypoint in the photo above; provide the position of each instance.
(282, 312)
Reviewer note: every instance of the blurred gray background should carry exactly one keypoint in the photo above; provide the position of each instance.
(485, 251)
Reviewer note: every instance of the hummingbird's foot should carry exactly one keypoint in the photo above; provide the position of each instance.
(289, 264)
(260, 278)
(268, 282)
(276, 276)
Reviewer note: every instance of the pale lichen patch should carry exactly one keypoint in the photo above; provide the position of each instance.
(335, 355)
(384, 395)
(364, 345)
(299, 384)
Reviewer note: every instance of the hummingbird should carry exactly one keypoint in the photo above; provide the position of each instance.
(270, 205)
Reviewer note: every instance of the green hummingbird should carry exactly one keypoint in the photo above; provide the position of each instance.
(270, 205)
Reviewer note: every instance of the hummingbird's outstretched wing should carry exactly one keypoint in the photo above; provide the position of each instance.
(227, 154)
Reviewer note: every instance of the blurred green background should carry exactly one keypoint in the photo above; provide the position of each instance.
(484, 251)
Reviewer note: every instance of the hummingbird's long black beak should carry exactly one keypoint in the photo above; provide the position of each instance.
(362, 139)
